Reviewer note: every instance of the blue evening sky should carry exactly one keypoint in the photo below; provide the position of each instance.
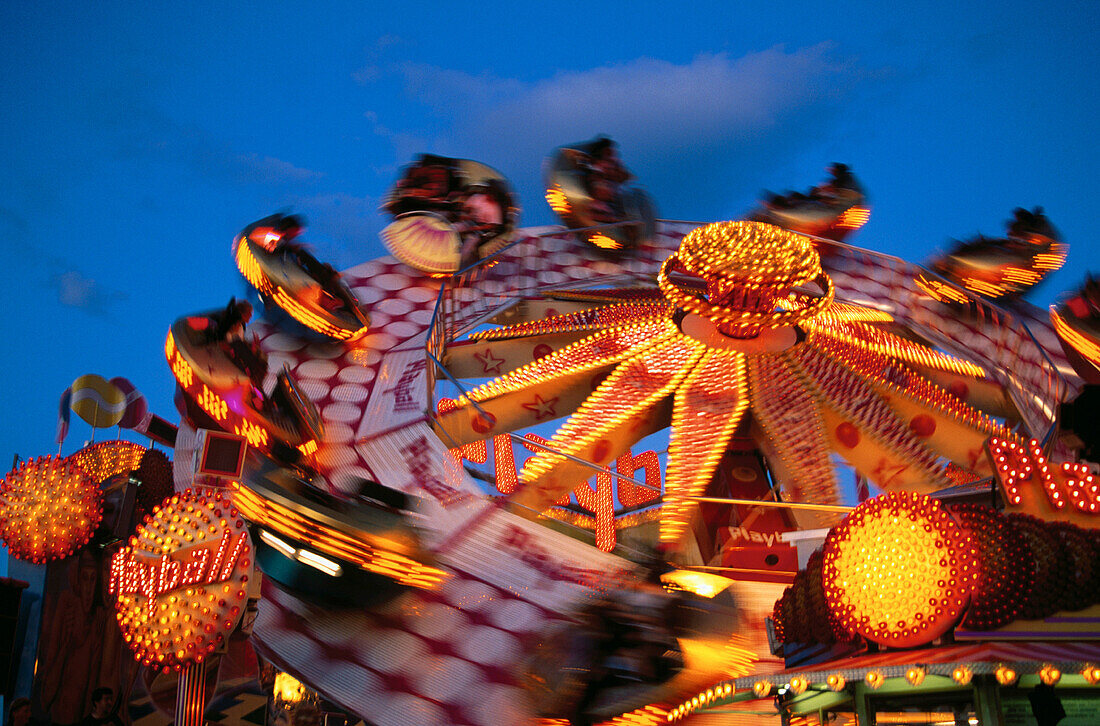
(137, 138)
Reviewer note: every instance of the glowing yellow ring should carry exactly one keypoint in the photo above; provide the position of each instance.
(725, 316)
(750, 254)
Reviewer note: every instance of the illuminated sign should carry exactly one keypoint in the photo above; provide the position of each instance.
(209, 564)
(1060, 491)
(182, 582)
(599, 500)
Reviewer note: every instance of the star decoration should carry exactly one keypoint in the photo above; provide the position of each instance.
(489, 363)
(543, 409)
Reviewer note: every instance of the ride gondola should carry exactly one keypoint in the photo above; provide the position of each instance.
(1005, 268)
(832, 210)
(590, 189)
(358, 552)
(448, 214)
(287, 274)
(221, 375)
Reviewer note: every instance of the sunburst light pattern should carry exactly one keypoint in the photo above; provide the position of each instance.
(748, 338)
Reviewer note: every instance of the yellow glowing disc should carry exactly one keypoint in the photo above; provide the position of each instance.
(898, 570)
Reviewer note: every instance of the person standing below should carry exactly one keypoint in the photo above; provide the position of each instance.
(103, 700)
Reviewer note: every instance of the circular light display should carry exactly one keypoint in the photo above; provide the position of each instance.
(1004, 570)
(182, 583)
(49, 508)
(897, 570)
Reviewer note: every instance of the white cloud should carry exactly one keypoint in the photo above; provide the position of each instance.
(715, 118)
(77, 291)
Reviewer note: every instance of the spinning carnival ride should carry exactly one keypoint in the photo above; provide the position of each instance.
(418, 571)
(802, 363)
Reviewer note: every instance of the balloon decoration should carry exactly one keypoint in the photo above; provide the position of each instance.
(49, 508)
(137, 408)
(98, 401)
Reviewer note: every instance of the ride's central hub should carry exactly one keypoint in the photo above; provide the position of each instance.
(751, 274)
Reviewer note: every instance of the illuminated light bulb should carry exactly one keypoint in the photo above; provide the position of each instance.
(915, 675)
(1049, 675)
(1091, 674)
(798, 684)
(761, 688)
(897, 570)
(874, 679)
(836, 682)
(1005, 675)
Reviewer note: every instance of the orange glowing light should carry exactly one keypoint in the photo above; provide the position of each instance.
(853, 217)
(898, 570)
(1088, 348)
(1049, 675)
(604, 242)
(181, 584)
(106, 459)
(1005, 675)
(49, 508)
(557, 200)
(253, 272)
(369, 556)
(941, 291)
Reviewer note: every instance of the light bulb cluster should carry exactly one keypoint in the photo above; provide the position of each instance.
(588, 319)
(1004, 563)
(897, 570)
(703, 699)
(707, 408)
(901, 570)
(49, 508)
(802, 615)
(748, 267)
(106, 459)
(181, 584)
(1018, 465)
